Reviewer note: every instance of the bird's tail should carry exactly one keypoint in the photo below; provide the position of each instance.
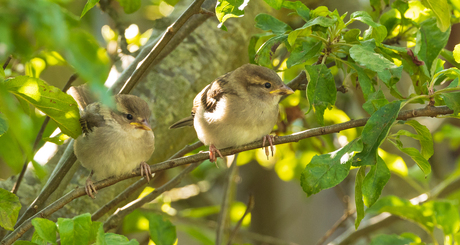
(82, 95)
(188, 121)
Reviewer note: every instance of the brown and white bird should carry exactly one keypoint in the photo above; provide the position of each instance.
(237, 108)
(114, 140)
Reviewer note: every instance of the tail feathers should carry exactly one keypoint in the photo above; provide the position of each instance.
(188, 121)
(82, 95)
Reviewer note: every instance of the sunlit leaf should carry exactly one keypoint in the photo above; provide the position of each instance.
(89, 5)
(304, 53)
(439, 8)
(162, 231)
(446, 216)
(45, 229)
(226, 9)
(265, 53)
(452, 101)
(359, 195)
(269, 23)
(58, 105)
(423, 164)
(111, 238)
(374, 182)
(9, 209)
(384, 239)
(302, 10)
(456, 53)
(375, 131)
(321, 90)
(328, 170)
(376, 31)
(76, 230)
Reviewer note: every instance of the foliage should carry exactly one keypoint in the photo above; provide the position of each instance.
(399, 38)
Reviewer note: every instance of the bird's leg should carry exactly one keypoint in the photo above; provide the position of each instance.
(270, 139)
(145, 169)
(212, 153)
(89, 187)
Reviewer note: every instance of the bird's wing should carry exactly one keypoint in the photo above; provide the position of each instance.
(91, 118)
(214, 92)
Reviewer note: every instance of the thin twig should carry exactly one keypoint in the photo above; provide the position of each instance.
(80, 191)
(39, 137)
(226, 200)
(193, 9)
(337, 224)
(139, 184)
(249, 208)
(7, 61)
(114, 220)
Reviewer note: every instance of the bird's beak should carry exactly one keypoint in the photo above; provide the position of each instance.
(283, 90)
(142, 125)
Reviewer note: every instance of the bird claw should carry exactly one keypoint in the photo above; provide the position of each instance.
(89, 187)
(270, 139)
(145, 169)
(212, 153)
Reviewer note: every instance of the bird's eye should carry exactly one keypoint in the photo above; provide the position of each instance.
(129, 116)
(268, 85)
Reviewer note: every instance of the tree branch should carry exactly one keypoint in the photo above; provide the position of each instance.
(7, 61)
(80, 191)
(226, 200)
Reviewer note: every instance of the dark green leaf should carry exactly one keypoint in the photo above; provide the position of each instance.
(267, 22)
(452, 101)
(265, 53)
(130, 6)
(364, 81)
(365, 55)
(162, 231)
(301, 55)
(359, 195)
(3, 124)
(423, 164)
(328, 170)
(45, 229)
(302, 10)
(375, 131)
(405, 209)
(426, 140)
(116, 239)
(439, 8)
(24, 243)
(321, 90)
(374, 182)
(375, 31)
(226, 9)
(375, 101)
(430, 41)
(59, 106)
(89, 5)
(352, 35)
(384, 239)
(276, 4)
(401, 6)
(9, 209)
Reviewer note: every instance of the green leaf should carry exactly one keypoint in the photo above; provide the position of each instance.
(375, 101)
(76, 230)
(276, 4)
(306, 52)
(452, 101)
(374, 182)
(384, 239)
(264, 55)
(322, 21)
(89, 5)
(375, 31)
(364, 81)
(430, 40)
(45, 229)
(375, 131)
(359, 195)
(226, 9)
(267, 22)
(405, 209)
(352, 35)
(39, 170)
(130, 6)
(423, 164)
(426, 140)
(58, 105)
(365, 55)
(9, 209)
(439, 8)
(162, 231)
(24, 243)
(446, 216)
(3, 124)
(328, 170)
(321, 90)
(302, 10)
(456, 53)
(115, 239)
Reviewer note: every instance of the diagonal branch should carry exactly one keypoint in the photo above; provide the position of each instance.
(80, 191)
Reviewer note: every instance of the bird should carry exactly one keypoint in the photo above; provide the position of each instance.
(237, 108)
(115, 140)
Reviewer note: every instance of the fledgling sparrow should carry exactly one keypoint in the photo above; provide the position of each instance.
(237, 108)
(114, 140)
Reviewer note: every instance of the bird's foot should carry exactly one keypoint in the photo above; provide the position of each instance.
(89, 187)
(145, 169)
(212, 153)
(270, 139)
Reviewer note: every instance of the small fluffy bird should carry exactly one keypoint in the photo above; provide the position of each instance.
(237, 108)
(114, 140)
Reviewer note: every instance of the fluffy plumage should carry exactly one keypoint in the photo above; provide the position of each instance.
(237, 108)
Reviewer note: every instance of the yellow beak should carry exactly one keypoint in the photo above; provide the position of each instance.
(283, 90)
(143, 125)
